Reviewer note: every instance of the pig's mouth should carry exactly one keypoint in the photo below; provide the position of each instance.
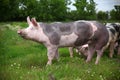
(22, 34)
(24, 37)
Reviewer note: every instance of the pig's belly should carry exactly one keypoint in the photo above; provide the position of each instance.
(68, 40)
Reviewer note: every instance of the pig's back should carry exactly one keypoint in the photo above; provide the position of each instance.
(82, 31)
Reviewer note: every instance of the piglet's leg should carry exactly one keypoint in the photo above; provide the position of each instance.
(51, 54)
(71, 51)
(90, 53)
(99, 54)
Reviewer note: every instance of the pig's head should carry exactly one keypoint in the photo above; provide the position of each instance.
(31, 31)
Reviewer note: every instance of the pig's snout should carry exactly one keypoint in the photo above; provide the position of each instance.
(22, 33)
(19, 32)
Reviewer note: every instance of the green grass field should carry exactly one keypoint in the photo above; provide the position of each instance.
(26, 60)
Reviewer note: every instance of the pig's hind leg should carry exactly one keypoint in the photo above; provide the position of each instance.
(99, 54)
(90, 53)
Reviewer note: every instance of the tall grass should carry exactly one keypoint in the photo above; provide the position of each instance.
(26, 60)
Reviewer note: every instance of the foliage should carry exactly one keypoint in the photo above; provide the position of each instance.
(8, 9)
(115, 13)
(85, 10)
(45, 10)
(102, 15)
(91, 10)
(54, 10)
(81, 6)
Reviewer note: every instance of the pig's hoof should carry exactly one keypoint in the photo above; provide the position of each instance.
(49, 63)
(96, 63)
(80, 53)
(58, 60)
(111, 56)
(87, 61)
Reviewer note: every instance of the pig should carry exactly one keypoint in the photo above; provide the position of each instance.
(70, 34)
(83, 49)
(80, 49)
(113, 42)
(114, 37)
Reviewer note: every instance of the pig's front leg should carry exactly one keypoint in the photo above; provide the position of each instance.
(71, 51)
(51, 54)
(56, 54)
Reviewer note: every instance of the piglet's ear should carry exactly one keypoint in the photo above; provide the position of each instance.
(28, 20)
(34, 22)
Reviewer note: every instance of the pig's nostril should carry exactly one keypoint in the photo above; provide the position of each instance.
(19, 32)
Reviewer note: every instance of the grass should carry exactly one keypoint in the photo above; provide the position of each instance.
(26, 60)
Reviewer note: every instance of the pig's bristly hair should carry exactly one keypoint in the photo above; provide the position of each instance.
(33, 20)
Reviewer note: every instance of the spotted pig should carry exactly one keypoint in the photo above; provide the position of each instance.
(70, 34)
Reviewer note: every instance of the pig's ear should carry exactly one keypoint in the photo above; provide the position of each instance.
(28, 20)
(34, 22)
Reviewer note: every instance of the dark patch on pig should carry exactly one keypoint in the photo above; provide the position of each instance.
(55, 30)
(84, 32)
(63, 28)
(116, 27)
(100, 37)
(112, 30)
(54, 38)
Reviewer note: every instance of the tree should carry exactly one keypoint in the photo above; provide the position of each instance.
(8, 9)
(54, 9)
(117, 8)
(101, 15)
(72, 15)
(81, 6)
(58, 9)
(115, 13)
(45, 10)
(85, 10)
(91, 10)
(28, 8)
